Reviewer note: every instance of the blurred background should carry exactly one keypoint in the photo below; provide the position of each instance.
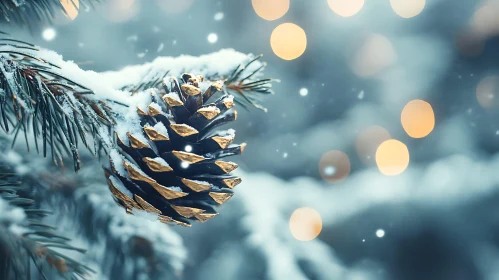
(377, 158)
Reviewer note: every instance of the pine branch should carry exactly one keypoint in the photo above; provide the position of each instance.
(27, 244)
(149, 249)
(35, 98)
(245, 80)
(30, 13)
(149, 133)
(56, 103)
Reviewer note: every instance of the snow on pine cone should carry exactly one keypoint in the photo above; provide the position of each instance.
(175, 168)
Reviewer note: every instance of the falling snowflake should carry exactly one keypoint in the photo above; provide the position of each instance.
(303, 92)
(219, 16)
(329, 170)
(212, 38)
(49, 34)
(161, 46)
(361, 95)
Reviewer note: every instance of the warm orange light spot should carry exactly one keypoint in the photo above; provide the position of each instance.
(368, 142)
(392, 157)
(71, 8)
(270, 9)
(375, 55)
(418, 118)
(120, 10)
(305, 224)
(408, 8)
(346, 8)
(175, 6)
(288, 41)
(334, 166)
(487, 92)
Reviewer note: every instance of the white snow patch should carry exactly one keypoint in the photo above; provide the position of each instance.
(161, 128)
(141, 214)
(161, 161)
(220, 63)
(173, 188)
(117, 160)
(119, 185)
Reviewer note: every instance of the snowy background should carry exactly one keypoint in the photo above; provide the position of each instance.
(439, 219)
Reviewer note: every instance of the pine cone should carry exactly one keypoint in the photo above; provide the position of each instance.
(173, 169)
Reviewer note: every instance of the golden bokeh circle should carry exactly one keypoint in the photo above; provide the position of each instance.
(334, 166)
(368, 142)
(71, 8)
(346, 8)
(270, 9)
(392, 157)
(288, 41)
(418, 118)
(408, 8)
(305, 224)
(487, 92)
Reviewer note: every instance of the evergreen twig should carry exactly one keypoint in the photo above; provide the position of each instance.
(30, 13)
(36, 244)
(34, 98)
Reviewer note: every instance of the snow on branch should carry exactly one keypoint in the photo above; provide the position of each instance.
(59, 103)
(87, 212)
(29, 246)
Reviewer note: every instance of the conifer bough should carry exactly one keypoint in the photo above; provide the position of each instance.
(167, 161)
(30, 13)
(27, 243)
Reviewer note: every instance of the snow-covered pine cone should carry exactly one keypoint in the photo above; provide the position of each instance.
(175, 168)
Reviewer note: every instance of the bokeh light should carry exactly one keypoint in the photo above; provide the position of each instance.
(49, 34)
(368, 142)
(212, 38)
(71, 8)
(334, 166)
(392, 157)
(485, 21)
(408, 8)
(418, 118)
(346, 8)
(270, 9)
(120, 10)
(175, 6)
(487, 92)
(380, 233)
(288, 41)
(218, 16)
(305, 224)
(376, 54)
